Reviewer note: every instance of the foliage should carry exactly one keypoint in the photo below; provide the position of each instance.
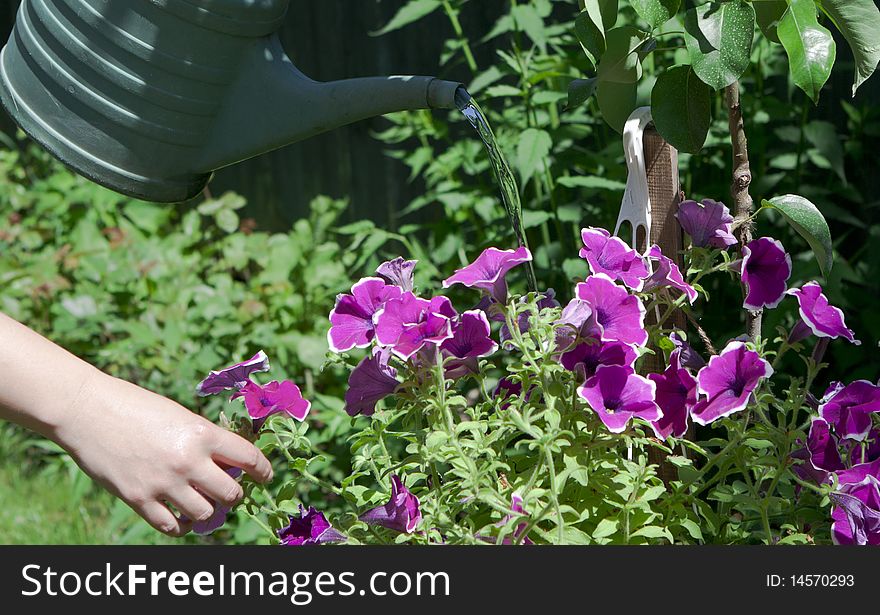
(158, 295)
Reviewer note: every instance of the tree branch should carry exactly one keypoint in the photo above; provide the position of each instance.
(739, 189)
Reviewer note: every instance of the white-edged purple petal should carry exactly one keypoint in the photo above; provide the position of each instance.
(398, 272)
(620, 315)
(310, 528)
(726, 383)
(402, 513)
(352, 318)
(488, 272)
(766, 267)
(610, 255)
(822, 318)
(849, 408)
(617, 394)
(676, 394)
(372, 380)
(708, 223)
(666, 273)
(233, 377)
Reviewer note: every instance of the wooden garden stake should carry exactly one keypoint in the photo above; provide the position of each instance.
(661, 164)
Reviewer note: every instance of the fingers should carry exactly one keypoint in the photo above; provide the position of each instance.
(219, 486)
(157, 514)
(239, 453)
(192, 504)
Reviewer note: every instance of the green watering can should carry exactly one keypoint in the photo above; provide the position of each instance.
(149, 97)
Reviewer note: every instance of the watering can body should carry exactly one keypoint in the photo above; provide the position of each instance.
(149, 97)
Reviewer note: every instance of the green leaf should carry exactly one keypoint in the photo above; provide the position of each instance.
(768, 14)
(606, 527)
(616, 101)
(579, 91)
(811, 49)
(808, 221)
(529, 21)
(410, 12)
(681, 107)
(591, 36)
(718, 36)
(603, 12)
(590, 181)
(534, 145)
(656, 12)
(859, 22)
(620, 63)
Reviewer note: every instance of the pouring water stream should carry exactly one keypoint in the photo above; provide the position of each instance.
(506, 180)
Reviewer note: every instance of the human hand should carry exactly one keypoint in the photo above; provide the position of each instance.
(149, 451)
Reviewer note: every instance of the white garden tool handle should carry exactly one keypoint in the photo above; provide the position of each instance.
(635, 207)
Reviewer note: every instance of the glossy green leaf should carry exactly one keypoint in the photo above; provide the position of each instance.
(656, 12)
(681, 107)
(534, 145)
(603, 12)
(616, 101)
(410, 12)
(718, 36)
(767, 14)
(811, 49)
(580, 90)
(620, 63)
(808, 221)
(590, 36)
(859, 22)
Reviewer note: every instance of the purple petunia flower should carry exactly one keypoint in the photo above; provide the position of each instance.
(610, 255)
(408, 323)
(311, 528)
(666, 273)
(234, 377)
(818, 316)
(516, 507)
(398, 272)
(274, 398)
(620, 315)
(352, 319)
(856, 513)
(470, 340)
(588, 357)
(215, 521)
(848, 408)
(766, 267)
(372, 380)
(488, 272)
(618, 394)
(688, 357)
(676, 394)
(402, 512)
(708, 223)
(821, 455)
(727, 382)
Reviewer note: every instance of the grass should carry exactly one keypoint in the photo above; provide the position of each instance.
(46, 499)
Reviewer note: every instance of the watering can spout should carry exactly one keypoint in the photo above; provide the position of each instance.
(149, 98)
(273, 104)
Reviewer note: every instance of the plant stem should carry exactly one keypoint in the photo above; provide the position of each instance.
(739, 189)
(452, 14)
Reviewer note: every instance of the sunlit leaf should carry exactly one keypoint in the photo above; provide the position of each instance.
(718, 36)
(811, 49)
(808, 221)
